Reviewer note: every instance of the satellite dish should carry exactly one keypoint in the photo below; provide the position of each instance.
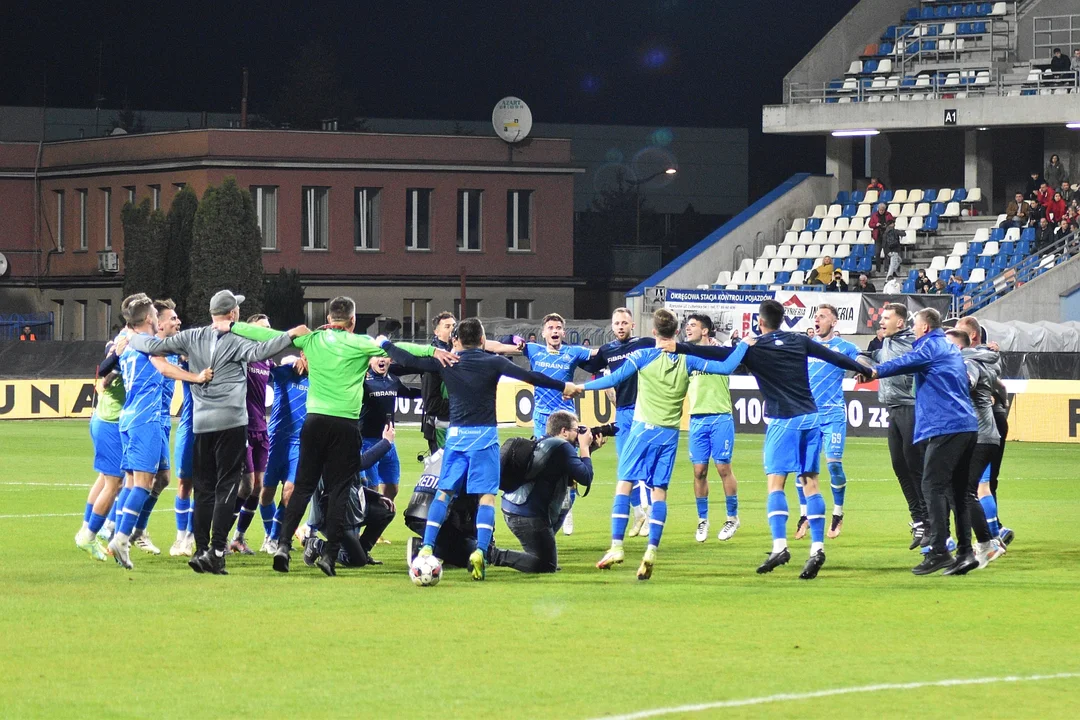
(3, 265)
(512, 119)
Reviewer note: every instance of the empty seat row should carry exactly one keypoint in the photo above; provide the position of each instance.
(938, 12)
(916, 195)
(794, 239)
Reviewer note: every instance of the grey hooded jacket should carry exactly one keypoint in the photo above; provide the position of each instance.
(221, 404)
(982, 369)
(899, 389)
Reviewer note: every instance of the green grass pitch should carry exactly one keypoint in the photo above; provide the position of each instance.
(87, 639)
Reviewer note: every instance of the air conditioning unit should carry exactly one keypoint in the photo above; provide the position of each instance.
(108, 262)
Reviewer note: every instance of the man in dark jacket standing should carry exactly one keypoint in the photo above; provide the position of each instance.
(898, 395)
(945, 423)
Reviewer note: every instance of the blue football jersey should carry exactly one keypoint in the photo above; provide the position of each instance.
(142, 385)
(168, 387)
(826, 379)
(290, 402)
(186, 411)
(559, 366)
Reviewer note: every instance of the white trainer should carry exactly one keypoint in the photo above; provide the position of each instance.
(729, 528)
(178, 547)
(144, 543)
(641, 518)
(121, 552)
(568, 523)
(702, 533)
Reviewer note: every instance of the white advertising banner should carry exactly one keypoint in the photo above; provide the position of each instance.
(733, 312)
(800, 308)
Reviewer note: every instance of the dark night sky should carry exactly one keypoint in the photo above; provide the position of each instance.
(648, 62)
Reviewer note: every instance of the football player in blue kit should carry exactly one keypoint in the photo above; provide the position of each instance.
(290, 384)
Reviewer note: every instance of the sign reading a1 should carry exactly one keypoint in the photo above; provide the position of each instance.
(950, 117)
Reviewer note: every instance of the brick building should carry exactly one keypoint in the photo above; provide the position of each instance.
(391, 220)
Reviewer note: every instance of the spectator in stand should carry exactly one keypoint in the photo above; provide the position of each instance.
(1059, 63)
(875, 184)
(1033, 184)
(27, 335)
(1063, 229)
(1044, 235)
(877, 223)
(875, 344)
(956, 285)
(1018, 213)
(893, 286)
(1055, 172)
(1056, 208)
(939, 288)
(890, 245)
(824, 271)
(837, 284)
(1045, 193)
(1067, 192)
(864, 284)
(1076, 62)
(922, 283)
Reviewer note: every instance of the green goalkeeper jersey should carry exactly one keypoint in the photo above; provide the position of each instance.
(709, 394)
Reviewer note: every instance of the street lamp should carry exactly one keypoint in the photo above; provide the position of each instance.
(637, 199)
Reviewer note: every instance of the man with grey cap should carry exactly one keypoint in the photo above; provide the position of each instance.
(219, 419)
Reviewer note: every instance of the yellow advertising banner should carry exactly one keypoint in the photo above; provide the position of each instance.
(50, 399)
(1039, 417)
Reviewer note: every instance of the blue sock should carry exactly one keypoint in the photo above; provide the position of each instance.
(133, 505)
(776, 507)
(838, 482)
(657, 519)
(802, 497)
(732, 502)
(182, 506)
(573, 496)
(702, 507)
(620, 516)
(191, 515)
(267, 513)
(635, 495)
(88, 512)
(275, 526)
(989, 506)
(144, 514)
(485, 526)
(247, 514)
(96, 522)
(435, 516)
(815, 514)
(118, 506)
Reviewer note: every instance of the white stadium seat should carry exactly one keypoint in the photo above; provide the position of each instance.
(799, 251)
(738, 277)
(907, 210)
(776, 264)
(732, 286)
(821, 211)
(798, 225)
(1000, 9)
(857, 223)
(978, 275)
(850, 237)
(866, 237)
(723, 277)
(790, 265)
(836, 210)
(828, 224)
(835, 237)
(761, 264)
(974, 195)
(871, 196)
(842, 251)
(790, 238)
(932, 272)
(1001, 218)
(916, 223)
(841, 224)
(990, 249)
(828, 249)
(820, 238)
(944, 195)
(813, 251)
(922, 209)
(954, 262)
(900, 196)
(914, 196)
(901, 223)
(952, 210)
(754, 278)
(863, 212)
(769, 251)
(894, 209)
(784, 251)
(981, 235)
(797, 277)
(767, 278)
(1012, 234)
(938, 263)
(805, 237)
(959, 249)
(908, 238)
(746, 265)
(884, 67)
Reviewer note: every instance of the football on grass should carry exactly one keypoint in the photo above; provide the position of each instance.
(425, 571)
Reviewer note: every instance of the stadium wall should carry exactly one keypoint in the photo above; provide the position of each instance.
(1040, 299)
(1025, 35)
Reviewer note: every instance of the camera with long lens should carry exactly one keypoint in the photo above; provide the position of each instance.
(607, 430)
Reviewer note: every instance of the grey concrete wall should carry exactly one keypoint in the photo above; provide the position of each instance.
(1039, 299)
(972, 112)
(1046, 8)
(860, 27)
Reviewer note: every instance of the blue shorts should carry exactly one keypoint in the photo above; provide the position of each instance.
(471, 461)
(142, 447)
(182, 452)
(282, 461)
(540, 423)
(163, 461)
(793, 445)
(833, 423)
(385, 472)
(108, 448)
(711, 436)
(649, 454)
(624, 419)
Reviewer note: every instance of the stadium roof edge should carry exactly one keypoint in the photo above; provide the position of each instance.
(721, 232)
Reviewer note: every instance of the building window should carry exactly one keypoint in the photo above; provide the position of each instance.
(60, 221)
(472, 309)
(106, 316)
(415, 316)
(418, 219)
(315, 219)
(519, 220)
(265, 199)
(80, 308)
(470, 215)
(83, 227)
(315, 313)
(519, 309)
(130, 193)
(155, 194)
(367, 218)
(106, 201)
(179, 186)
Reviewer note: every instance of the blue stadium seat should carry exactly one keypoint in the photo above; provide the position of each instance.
(912, 14)
(1015, 259)
(998, 266)
(909, 287)
(975, 248)
(813, 224)
(869, 66)
(929, 195)
(887, 195)
(842, 197)
(971, 288)
(978, 28)
(985, 262)
(864, 264)
(959, 195)
(963, 28)
(930, 224)
(850, 210)
(997, 234)
(1024, 246)
(836, 84)
(1007, 247)
(929, 45)
(927, 13)
(941, 12)
(858, 196)
(782, 277)
(832, 100)
(885, 49)
(955, 11)
(890, 33)
(984, 9)
(1028, 234)
(806, 264)
(969, 10)
(968, 263)
(913, 275)
(937, 208)
(912, 48)
(963, 272)
(850, 263)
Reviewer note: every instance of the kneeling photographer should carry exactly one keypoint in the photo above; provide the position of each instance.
(535, 489)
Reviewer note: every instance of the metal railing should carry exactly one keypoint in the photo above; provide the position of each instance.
(1055, 31)
(1011, 278)
(928, 39)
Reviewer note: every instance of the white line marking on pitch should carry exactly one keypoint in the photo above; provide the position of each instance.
(787, 697)
(51, 515)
